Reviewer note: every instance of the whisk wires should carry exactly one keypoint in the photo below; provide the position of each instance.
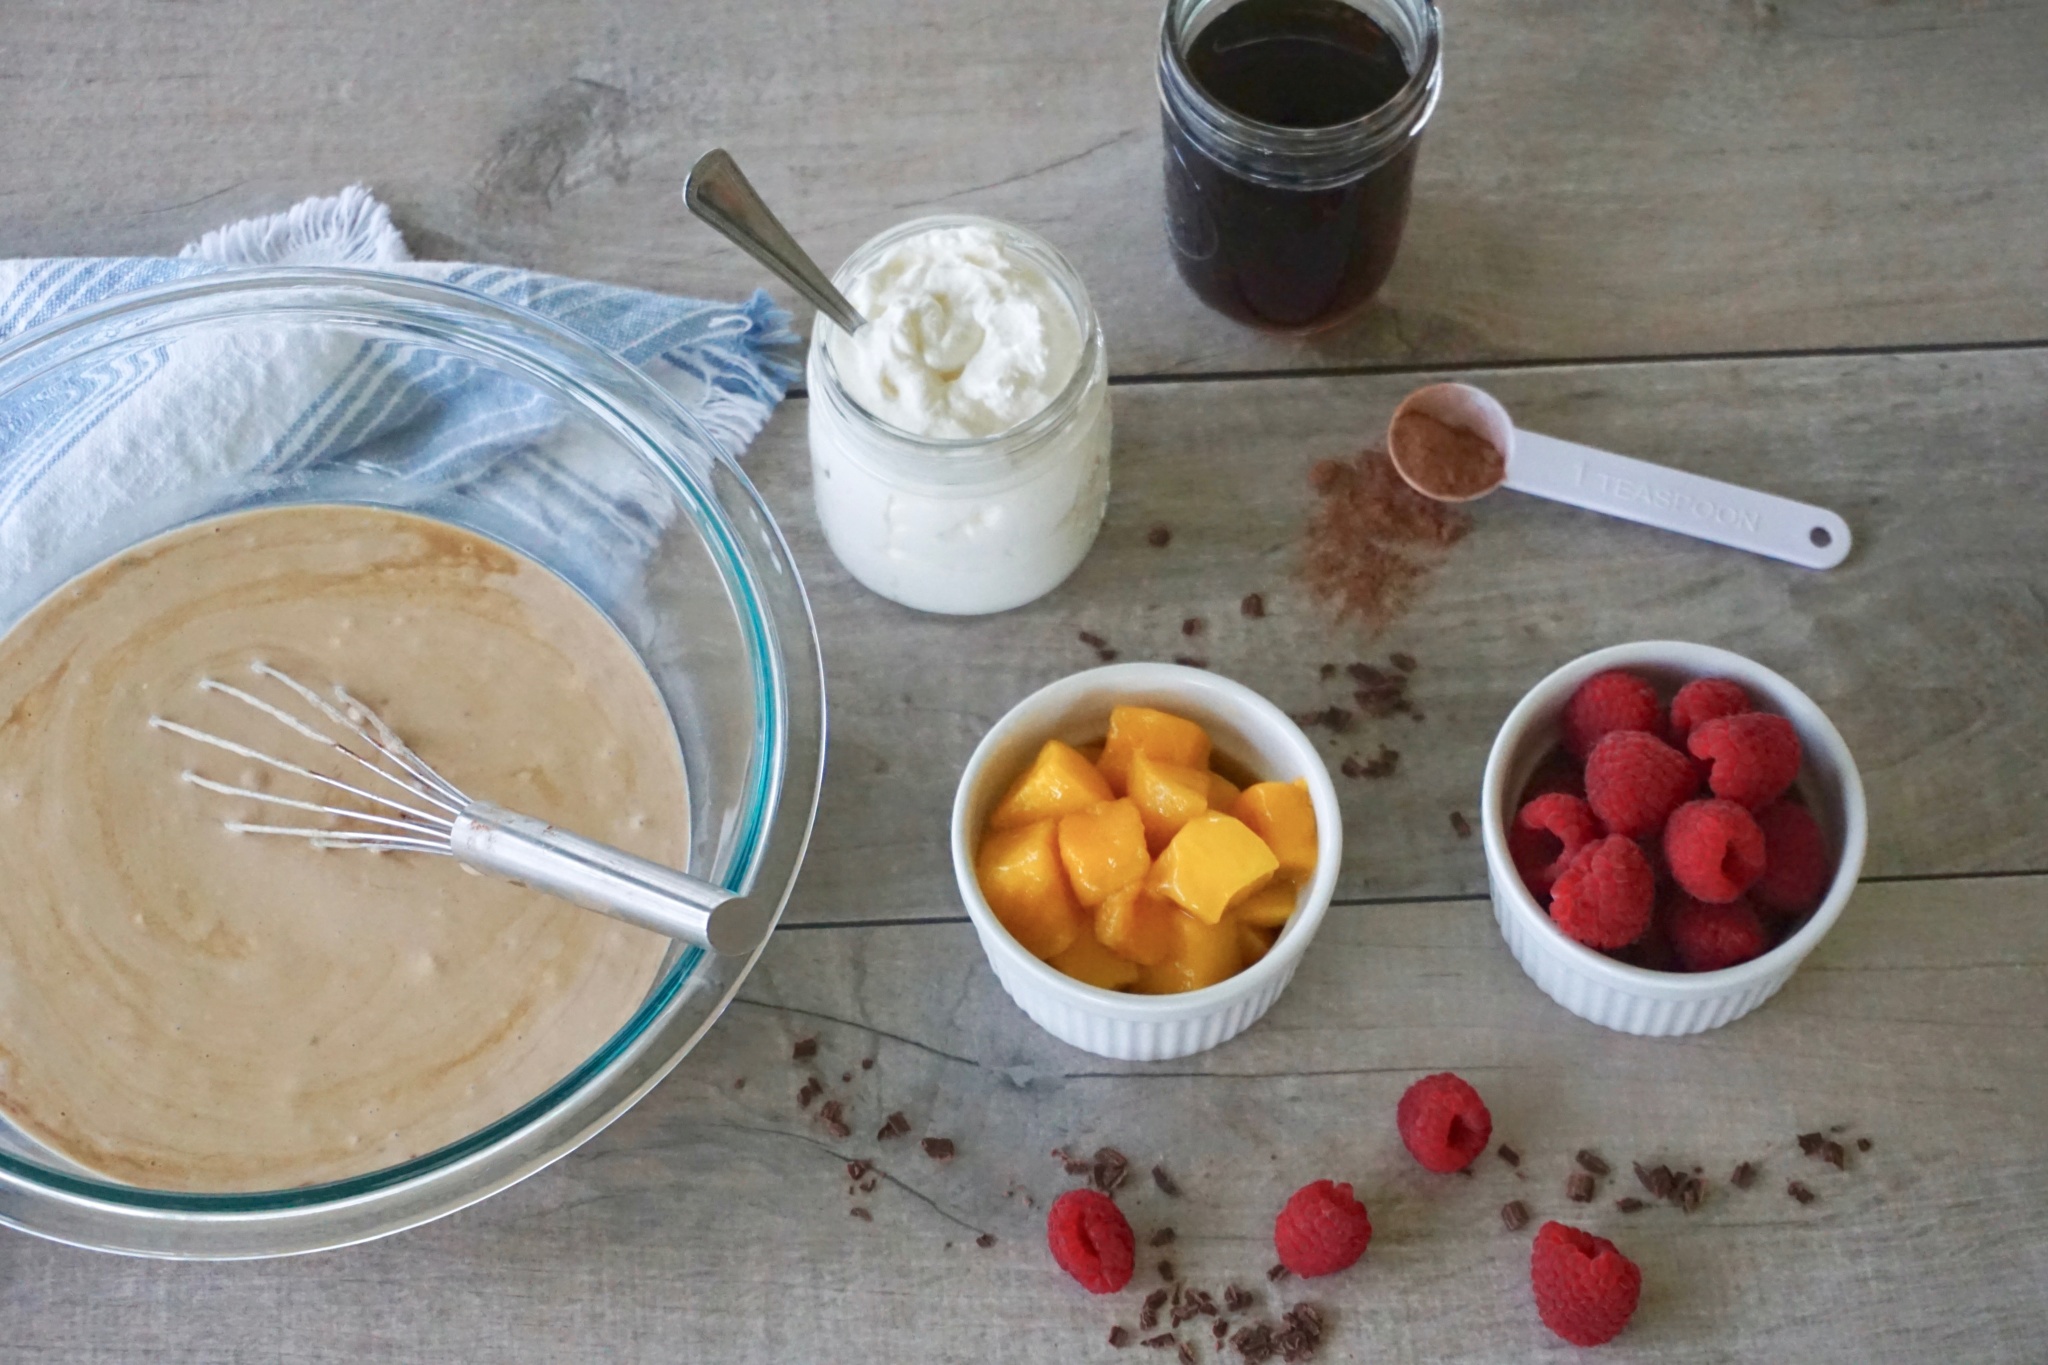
(411, 806)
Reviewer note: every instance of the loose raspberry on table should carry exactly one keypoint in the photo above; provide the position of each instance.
(1091, 1239)
(1547, 834)
(1797, 867)
(1753, 757)
(1714, 848)
(1605, 897)
(1586, 1290)
(1607, 702)
(1634, 781)
(1322, 1229)
(1443, 1122)
(1708, 936)
(1705, 699)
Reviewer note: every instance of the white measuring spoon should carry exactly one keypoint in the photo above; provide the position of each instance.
(1601, 481)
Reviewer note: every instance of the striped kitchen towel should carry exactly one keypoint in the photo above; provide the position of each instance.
(299, 402)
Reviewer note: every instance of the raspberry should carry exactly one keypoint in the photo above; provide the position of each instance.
(1797, 868)
(1548, 833)
(1705, 699)
(1443, 1122)
(1322, 1230)
(1586, 1290)
(1605, 897)
(1708, 937)
(1607, 702)
(1091, 1239)
(1755, 756)
(1715, 849)
(1634, 781)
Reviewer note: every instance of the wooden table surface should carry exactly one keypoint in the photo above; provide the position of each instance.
(1800, 243)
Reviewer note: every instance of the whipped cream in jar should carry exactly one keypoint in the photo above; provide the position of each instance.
(960, 441)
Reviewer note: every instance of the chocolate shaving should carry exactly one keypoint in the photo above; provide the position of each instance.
(985, 1241)
(1509, 1155)
(868, 1186)
(1460, 826)
(1237, 1298)
(1514, 1215)
(741, 1084)
(1657, 1180)
(1148, 1316)
(1832, 1152)
(1592, 1161)
(867, 1064)
(1254, 1342)
(1186, 1353)
(1327, 672)
(1160, 536)
(1404, 662)
(1165, 1182)
(861, 1214)
(1119, 1337)
(896, 1126)
(938, 1149)
(1743, 1176)
(1578, 1188)
(1630, 1204)
(1220, 1329)
(804, 1050)
(1160, 1342)
(1190, 661)
(846, 1078)
(1166, 1272)
(1091, 639)
(1863, 1144)
(1277, 1273)
(1687, 1191)
(1193, 626)
(812, 1089)
(1800, 1192)
(1253, 605)
(856, 1169)
(1109, 1169)
(1810, 1143)
(1108, 656)
(1163, 1237)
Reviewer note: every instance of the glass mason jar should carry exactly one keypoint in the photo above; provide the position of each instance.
(963, 526)
(1285, 227)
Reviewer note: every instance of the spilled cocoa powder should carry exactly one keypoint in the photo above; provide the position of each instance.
(1372, 541)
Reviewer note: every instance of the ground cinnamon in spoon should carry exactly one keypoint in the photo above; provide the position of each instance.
(1372, 540)
(1446, 461)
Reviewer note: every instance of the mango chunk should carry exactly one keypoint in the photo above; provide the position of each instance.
(1203, 955)
(1022, 881)
(1214, 862)
(1253, 941)
(1223, 793)
(1167, 796)
(1282, 814)
(1103, 849)
(1092, 964)
(1269, 907)
(1135, 730)
(1139, 926)
(1059, 782)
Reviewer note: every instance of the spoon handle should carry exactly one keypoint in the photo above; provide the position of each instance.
(1673, 500)
(721, 196)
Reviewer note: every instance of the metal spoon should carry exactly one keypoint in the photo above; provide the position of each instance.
(721, 196)
(1601, 481)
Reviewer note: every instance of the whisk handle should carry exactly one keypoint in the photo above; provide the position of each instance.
(609, 880)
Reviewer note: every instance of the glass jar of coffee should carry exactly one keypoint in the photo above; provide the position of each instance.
(1291, 134)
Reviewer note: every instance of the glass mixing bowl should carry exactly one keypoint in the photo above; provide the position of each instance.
(704, 589)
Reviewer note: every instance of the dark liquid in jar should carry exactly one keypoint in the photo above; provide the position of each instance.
(1273, 256)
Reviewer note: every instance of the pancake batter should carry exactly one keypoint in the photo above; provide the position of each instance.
(189, 1009)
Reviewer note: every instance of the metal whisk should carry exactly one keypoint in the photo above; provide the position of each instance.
(399, 803)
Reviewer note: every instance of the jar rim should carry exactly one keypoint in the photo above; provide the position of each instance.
(1329, 153)
(968, 454)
